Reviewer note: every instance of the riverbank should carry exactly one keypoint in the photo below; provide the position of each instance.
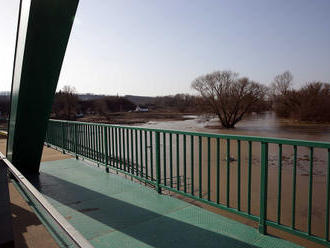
(131, 118)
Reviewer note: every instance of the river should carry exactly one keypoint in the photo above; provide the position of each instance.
(266, 125)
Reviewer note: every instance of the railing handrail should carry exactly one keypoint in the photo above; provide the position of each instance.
(154, 155)
(306, 143)
(75, 236)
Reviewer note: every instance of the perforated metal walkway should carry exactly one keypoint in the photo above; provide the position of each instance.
(112, 211)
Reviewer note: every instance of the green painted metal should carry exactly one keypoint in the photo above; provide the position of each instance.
(238, 175)
(42, 36)
(294, 184)
(263, 187)
(171, 160)
(279, 190)
(310, 192)
(328, 199)
(208, 168)
(200, 176)
(164, 157)
(146, 151)
(127, 150)
(171, 221)
(218, 170)
(192, 163)
(228, 172)
(177, 162)
(136, 152)
(157, 137)
(184, 163)
(151, 156)
(203, 164)
(132, 153)
(106, 148)
(141, 153)
(249, 175)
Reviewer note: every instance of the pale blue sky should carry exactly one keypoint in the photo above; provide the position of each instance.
(157, 47)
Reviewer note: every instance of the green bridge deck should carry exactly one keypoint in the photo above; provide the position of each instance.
(111, 211)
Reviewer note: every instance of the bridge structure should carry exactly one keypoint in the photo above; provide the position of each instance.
(140, 187)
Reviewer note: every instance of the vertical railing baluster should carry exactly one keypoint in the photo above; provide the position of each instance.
(120, 148)
(124, 150)
(132, 152)
(98, 128)
(127, 152)
(228, 173)
(177, 162)
(113, 147)
(141, 154)
(184, 164)
(117, 148)
(93, 141)
(218, 170)
(294, 178)
(106, 147)
(63, 147)
(208, 168)
(192, 163)
(249, 174)
(136, 153)
(171, 161)
(164, 157)
(151, 157)
(310, 192)
(328, 199)
(158, 172)
(146, 152)
(200, 148)
(279, 190)
(75, 140)
(238, 175)
(263, 188)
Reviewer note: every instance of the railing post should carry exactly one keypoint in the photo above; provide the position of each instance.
(63, 138)
(75, 140)
(105, 138)
(263, 188)
(158, 188)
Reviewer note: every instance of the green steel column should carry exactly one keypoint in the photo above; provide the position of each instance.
(43, 33)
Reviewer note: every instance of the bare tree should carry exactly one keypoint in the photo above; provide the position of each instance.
(282, 83)
(229, 97)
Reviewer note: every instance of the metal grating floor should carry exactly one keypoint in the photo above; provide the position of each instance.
(111, 211)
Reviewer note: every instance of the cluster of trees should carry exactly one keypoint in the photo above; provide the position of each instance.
(67, 104)
(183, 103)
(308, 103)
(231, 98)
(222, 93)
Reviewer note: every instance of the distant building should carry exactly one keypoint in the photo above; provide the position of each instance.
(141, 108)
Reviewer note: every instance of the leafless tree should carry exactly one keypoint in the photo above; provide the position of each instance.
(229, 96)
(282, 83)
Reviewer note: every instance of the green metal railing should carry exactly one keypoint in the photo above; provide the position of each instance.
(225, 171)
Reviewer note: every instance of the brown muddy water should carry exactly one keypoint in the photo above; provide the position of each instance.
(266, 125)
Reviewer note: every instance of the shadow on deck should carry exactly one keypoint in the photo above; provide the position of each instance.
(111, 211)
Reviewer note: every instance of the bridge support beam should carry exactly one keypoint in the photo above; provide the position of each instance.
(42, 35)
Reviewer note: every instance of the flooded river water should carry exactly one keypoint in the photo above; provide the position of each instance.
(265, 125)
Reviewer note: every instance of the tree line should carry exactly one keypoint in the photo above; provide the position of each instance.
(222, 93)
(231, 97)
